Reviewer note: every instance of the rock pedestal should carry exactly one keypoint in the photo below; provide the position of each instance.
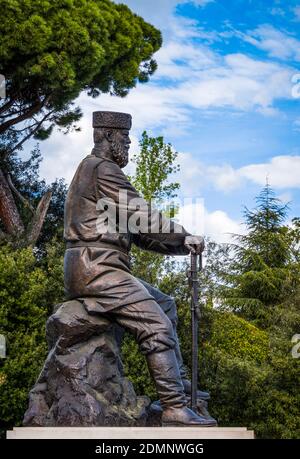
(82, 382)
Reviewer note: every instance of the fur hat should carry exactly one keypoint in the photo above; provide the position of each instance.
(115, 120)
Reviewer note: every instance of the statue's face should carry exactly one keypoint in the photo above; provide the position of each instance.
(120, 146)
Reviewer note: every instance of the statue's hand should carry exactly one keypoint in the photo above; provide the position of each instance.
(195, 244)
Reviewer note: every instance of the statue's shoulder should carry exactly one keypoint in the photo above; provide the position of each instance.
(92, 160)
(108, 167)
(104, 167)
(90, 163)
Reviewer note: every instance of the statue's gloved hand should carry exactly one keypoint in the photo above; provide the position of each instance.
(195, 244)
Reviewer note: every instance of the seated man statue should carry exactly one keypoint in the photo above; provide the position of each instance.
(97, 268)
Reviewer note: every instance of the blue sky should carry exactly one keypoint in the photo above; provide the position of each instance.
(225, 95)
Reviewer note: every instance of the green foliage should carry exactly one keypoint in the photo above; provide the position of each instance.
(235, 337)
(28, 289)
(266, 234)
(250, 373)
(146, 265)
(154, 165)
(262, 397)
(50, 51)
(265, 268)
(260, 282)
(25, 355)
(136, 369)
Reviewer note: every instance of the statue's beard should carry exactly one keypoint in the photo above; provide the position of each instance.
(120, 154)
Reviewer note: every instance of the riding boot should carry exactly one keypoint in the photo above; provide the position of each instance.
(164, 369)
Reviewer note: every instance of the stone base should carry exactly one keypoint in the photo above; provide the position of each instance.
(82, 382)
(130, 433)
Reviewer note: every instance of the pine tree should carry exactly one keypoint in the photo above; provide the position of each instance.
(264, 271)
(50, 53)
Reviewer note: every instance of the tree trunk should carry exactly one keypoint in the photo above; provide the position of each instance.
(9, 213)
(35, 227)
(11, 219)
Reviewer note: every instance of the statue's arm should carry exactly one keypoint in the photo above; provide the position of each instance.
(155, 232)
(164, 246)
(164, 236)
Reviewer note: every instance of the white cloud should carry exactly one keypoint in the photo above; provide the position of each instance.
(225, 178)
(194, 175)
(239, 83)
(62, 153)
(282, 172)
(220, 227)
(285, 197)
(190, 76)
(149, 9)
(192, 58)
(191, 214)
(277, 43)
(191, 174)
(217, 225)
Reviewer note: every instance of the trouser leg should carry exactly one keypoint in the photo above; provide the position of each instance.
(154, 333)
(168, 305)
(148, 324)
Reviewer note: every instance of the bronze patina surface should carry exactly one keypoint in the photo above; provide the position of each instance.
(98, 280)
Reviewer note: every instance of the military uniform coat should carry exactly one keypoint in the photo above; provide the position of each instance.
(96, 264)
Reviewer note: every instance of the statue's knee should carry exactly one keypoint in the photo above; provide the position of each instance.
(160, 338)
(166, 327)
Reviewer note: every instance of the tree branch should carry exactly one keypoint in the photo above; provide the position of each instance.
(18, 194)
(30, 134)
(38, 219)
(7, 124)
(9, 114)
(28, 114)
(7, 105)
(9, 213)
(25, 128)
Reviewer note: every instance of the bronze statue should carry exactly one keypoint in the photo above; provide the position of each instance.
(97, 269)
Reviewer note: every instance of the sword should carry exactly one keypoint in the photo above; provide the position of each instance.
(196, 265)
